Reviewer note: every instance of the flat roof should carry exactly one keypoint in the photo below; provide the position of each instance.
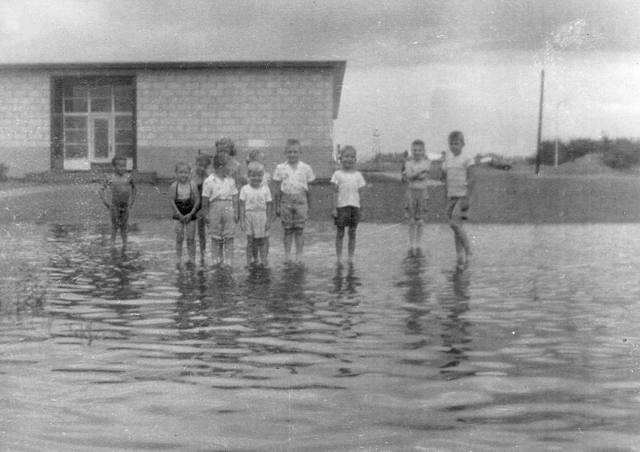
(336, 66)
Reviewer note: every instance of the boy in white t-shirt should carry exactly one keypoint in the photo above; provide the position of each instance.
(255, 214)
(293, 196)
(458, 175)
(346, 201)
(416, 173)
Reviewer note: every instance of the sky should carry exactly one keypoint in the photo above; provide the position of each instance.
(415, 69)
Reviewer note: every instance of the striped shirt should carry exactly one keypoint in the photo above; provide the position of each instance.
(456, 169)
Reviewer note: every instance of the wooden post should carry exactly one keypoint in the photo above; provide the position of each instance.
(539, 151)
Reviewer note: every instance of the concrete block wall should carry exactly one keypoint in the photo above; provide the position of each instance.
(24, 121)
(181, 112)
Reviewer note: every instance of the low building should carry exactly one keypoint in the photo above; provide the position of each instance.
(76, 117)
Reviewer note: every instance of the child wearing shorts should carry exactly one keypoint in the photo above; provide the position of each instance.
(256, 155)
(458, 176)
(185, 201)
(123, 195)
(416, 173)
(293, 196)
(347, 184)
(220, 208)
(255, 214)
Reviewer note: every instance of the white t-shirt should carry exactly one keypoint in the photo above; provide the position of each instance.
(255, 199)
(217, 189)
(418, 170)
(296, 180)
(348, 182)
(456, 168)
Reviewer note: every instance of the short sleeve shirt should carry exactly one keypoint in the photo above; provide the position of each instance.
(456, 168)
(348, 182)
(421, 170)
(294, 180)
(255, 199)
(217, 189)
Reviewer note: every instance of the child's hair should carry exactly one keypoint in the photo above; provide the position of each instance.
(182, 164)
(120, 158)
(227, 144)
(417, 143)
(203, 158)
(456, 135)
(218, 161)
(292, 142)
(255, 168)
(347, 148)
(255, 155)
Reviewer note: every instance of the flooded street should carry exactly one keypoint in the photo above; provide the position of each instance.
(534, 346)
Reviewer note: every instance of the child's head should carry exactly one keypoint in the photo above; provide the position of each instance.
(255, 155)
(292, 150)
(202, 163)
(183, 171)
(348, 157)
(417, 149)
(225, 145)
(219, 164)
(255, 173)
(119, 164)
(456, 142)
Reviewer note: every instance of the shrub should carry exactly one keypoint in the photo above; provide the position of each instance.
(621, 154)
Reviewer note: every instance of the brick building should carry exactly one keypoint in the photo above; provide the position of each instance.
(76, 117)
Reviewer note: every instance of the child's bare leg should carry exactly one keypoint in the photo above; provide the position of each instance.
(228, 251)
(460, 251)
(287, 240)
(339, 240)
(179, 240)
(419, 229)
(202, 237)
(412, 233)
(124, 226)
(352, 243)
(114, 225)
(266, 246)
(191, 241)
(250, 249)
(216, 250)
(263, 250)
(464, 240)
(299, 239)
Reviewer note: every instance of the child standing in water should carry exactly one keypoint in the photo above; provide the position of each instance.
(255, 214)
(458, 176)
(185, 201)
(293, 196)
(123, 195)
(256, 155)
(220, 208)
(346, 200)
(202, 164)
(416, 173)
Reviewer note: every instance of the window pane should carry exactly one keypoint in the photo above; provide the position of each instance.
(75, 151)
(75, 104)
(125, 150)
(100, 91)
(100, 104)
(75, 91)
(101, 138)
(75, 122)
(123, 98)
(124, 136)
(124, 122)
(75, 136)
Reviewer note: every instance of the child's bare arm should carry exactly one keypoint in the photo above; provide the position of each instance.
(172, 200)
(205, 208)
(101, 192)
(334, 201)
(241, 213)
(196, 204)
(235, 207)
(269, 214)
(133, 192)
(277, 196)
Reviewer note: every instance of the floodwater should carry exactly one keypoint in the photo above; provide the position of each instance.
(535, 346)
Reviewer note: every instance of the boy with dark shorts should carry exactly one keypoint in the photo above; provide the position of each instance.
(123, 195)
(416, 173)
(346, 200)
(293, 196)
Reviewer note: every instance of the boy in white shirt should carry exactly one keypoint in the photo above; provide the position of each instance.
(255, 214)
(293, 196)
(458, 175)
(416, 173)
(220, 208)
(346, 201)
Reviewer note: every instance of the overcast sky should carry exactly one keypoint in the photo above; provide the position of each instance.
(414, 68)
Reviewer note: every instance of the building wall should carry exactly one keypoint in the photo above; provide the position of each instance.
(182, 112)
(24, 122)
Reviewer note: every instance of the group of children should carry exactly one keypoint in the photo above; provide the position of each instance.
(212, 202)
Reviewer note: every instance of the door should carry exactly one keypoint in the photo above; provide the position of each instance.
(101, 149)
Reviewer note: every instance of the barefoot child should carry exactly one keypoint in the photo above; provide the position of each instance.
(256, 155)
(346, 200)
(123, 195)
(416, 172)
(293, 197)
(255, 214)
(458, 175)
(185, 201)
(202, 164)
(220, 208)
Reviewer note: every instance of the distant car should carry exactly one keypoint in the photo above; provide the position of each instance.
(497, 162)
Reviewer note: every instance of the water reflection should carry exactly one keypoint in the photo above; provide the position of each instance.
(346, 281)
(416, 296)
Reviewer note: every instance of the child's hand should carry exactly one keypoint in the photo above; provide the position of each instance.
(464, 204)
(186, 218)
(334, 213)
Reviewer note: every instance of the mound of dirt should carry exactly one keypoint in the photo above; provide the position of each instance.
(588, 164)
